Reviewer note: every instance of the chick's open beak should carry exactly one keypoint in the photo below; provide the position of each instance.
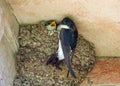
(53, 24)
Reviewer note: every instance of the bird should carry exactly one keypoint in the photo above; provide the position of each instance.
(68, 35)
(51, 26)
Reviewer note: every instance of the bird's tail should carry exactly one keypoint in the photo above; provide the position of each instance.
(68, 62)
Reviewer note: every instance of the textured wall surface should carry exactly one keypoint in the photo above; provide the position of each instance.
(97, 20)
(8, 44)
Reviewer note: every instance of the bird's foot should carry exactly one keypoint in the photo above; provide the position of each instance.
(57, 65)
(53, 60)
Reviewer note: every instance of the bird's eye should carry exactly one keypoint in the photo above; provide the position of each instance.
(53, 23)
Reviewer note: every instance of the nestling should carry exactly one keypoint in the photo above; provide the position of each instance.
(51, 26)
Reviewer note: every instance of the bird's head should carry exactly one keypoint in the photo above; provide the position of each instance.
(66, 23)
(51, 25)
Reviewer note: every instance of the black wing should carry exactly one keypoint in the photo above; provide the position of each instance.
(74, 36)
(66, 41)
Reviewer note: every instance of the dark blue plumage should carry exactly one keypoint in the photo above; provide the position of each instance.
(67, 43)
(71, 34)
(68, 38)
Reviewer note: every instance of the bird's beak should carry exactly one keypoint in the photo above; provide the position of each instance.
(53, 24)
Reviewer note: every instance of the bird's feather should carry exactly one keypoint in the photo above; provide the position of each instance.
(66, 37)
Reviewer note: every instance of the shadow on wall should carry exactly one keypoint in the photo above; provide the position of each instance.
(1, 24)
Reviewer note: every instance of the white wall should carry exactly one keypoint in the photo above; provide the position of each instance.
(8, 44)
(97, 20)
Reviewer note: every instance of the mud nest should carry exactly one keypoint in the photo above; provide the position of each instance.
(35, 48)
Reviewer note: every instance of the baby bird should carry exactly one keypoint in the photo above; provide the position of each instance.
(51, 26)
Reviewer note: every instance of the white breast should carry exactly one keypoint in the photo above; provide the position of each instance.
(62, 26)
(60, 52)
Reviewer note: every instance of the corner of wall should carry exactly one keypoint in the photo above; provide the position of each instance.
(8, 44)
